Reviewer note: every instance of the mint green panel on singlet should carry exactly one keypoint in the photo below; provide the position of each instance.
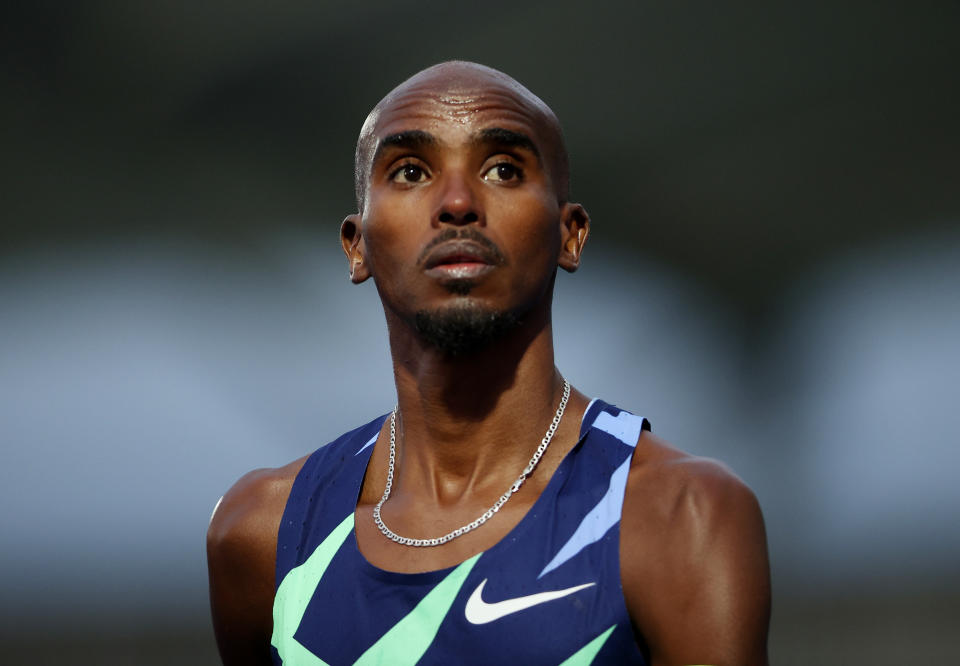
(295, 592)
(548, 593)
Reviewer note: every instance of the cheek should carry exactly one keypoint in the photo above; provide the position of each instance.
(538, 233)
(535, 243)
(392, 249)
(380, 248)
(389, 214)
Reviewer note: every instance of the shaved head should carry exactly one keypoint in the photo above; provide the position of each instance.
(459, 82)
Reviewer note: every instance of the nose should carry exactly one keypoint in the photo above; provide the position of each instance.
(458, 202)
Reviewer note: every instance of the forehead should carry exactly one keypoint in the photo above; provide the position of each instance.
(447, 109)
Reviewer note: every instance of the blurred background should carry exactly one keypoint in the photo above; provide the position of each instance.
(772, 278)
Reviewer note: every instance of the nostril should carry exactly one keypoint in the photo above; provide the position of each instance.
(448, 217)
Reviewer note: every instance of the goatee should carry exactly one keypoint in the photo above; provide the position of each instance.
(461, 330)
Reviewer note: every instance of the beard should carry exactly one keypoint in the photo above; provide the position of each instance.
(461, 330)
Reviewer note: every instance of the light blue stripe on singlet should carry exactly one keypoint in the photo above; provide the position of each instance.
(624, 426)
(596, 523)
(627, 428)
(370, 443)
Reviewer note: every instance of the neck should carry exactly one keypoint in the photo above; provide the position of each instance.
(477, 416)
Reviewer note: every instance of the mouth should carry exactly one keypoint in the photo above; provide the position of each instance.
(460, 259)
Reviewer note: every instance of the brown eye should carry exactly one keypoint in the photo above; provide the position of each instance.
(502, 172)
(409, 173)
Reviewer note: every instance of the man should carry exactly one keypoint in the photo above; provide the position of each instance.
(497, 515)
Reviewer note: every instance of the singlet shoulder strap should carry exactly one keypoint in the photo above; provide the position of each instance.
(323, 494)
(614, 421)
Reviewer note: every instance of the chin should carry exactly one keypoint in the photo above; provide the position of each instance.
(464, 328)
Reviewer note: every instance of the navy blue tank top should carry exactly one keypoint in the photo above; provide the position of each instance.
(549, 592)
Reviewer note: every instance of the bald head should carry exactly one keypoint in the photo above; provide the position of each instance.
(460, 88)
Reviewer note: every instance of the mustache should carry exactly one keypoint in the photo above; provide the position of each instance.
(465, 233)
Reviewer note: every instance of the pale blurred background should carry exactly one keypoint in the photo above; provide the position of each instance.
(773, 278)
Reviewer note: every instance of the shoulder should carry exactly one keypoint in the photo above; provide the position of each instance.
(241, 556)
(693, 555)
(251, 509)
(667, 484)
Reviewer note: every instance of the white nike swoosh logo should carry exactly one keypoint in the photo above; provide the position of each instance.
(479, 611)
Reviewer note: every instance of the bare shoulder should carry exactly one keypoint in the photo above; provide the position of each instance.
(241, 557)
(668, 483)
(694, 558)
(252, 506)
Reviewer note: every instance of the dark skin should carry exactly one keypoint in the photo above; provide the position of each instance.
(461, 146)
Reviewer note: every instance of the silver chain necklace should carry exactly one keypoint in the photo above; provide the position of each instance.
(528, 470)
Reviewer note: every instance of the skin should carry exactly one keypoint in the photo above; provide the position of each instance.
(694, 562)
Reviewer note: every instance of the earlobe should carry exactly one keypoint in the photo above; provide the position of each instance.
(576, 228)
(351, 238)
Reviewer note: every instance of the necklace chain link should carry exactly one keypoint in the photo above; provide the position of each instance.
(527, 471)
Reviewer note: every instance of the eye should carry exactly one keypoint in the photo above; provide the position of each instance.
(409, 173)
(502, 172)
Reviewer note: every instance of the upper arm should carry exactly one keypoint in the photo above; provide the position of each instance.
(695, 569)
(241, 558)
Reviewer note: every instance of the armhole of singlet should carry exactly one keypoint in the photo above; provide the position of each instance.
(295, 509)
(638, 639)
(287, 534)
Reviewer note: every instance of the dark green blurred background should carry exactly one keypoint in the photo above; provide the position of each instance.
(775, 207)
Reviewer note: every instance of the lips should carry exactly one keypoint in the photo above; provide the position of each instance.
(460, 253)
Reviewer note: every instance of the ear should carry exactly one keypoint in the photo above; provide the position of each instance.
(351, 238)
(575, 228)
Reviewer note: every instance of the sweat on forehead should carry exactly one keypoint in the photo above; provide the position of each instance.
(450, 82)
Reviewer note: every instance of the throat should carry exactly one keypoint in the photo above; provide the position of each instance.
(413, 511)
(439, 540)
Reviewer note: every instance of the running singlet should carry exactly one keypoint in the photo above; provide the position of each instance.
(549, 592)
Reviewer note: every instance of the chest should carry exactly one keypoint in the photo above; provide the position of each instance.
(416, 522)
(539, 584)
(494, 607)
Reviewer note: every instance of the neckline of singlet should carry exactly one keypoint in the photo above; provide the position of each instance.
(509, 539)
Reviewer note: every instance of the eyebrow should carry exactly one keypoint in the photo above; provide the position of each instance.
(507, 138)
(414, 139)
(410, 139)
